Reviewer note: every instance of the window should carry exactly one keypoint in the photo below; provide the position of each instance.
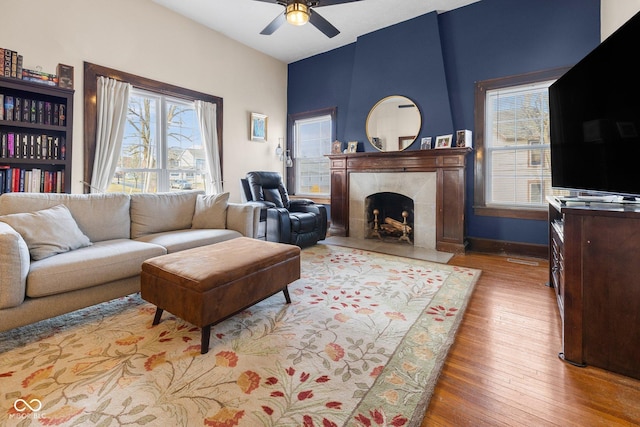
(513, 160)
(178, 163)
(311, 135)
(161, 148)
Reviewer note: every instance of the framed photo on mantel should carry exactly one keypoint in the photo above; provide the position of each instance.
(444, 141)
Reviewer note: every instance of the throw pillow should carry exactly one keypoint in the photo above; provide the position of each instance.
(211, 211)
(48, 232)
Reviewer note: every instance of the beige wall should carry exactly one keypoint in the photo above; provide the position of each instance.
(614, 13)
(146, 39)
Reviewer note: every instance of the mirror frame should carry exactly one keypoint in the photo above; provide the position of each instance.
(408, 140)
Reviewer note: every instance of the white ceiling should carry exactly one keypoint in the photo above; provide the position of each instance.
(242, 20)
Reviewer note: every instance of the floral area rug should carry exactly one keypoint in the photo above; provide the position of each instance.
(362, 344)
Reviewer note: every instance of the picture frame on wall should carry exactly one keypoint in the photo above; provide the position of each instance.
(353, 147)
(258, 127)
(444, 141)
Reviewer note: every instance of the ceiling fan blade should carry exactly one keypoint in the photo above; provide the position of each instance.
(322, 24)
(274, 25)
(329, 2)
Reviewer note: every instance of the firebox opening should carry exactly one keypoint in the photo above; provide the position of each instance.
(389, 217)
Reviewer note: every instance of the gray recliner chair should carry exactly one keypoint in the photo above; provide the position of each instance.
(299, 222)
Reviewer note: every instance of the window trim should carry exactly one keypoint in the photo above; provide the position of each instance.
(91, 74)
(479, 201)
(291, 120)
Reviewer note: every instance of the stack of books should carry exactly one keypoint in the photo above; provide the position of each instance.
(17, 109)
(11, 66)
(32, 180)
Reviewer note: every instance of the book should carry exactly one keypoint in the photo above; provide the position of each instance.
(40, 81)
(1, 105)
(62, 116)
(40, 112)
(14, 64)
(37, 74)
(17, 109)
(32, 111)
(48, 113)
(7, 63)
(26, 110)
(11, 145)
(8, 107)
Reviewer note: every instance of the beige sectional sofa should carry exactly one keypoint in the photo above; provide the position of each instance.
(63, 252)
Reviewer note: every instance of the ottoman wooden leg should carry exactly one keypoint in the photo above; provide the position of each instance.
(156, 318)
(285, 291)
(204, 341)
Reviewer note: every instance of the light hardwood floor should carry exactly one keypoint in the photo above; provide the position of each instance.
(503, 368)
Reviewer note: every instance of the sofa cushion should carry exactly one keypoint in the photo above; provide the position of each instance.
(211, 211)
(180, 240)
(100, 263)
(159, 212)
(14, 267)
(99, 216)
(48, 232)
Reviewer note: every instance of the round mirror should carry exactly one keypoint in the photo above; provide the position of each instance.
(393, 123)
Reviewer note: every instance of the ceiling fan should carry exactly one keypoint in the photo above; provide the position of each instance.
(299, 12)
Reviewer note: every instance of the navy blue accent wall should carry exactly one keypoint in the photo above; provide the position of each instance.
(416, 70)
(436, 60)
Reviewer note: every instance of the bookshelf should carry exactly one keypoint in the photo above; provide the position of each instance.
(35, 136)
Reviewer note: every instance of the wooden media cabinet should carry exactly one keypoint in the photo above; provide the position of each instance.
(594, 266)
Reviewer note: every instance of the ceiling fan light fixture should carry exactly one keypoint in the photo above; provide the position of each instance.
(297, 13)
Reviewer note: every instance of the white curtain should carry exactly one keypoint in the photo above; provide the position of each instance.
(112, 103)
(206, 112)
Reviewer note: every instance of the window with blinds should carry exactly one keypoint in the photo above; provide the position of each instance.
(516, 138)
(312, 142)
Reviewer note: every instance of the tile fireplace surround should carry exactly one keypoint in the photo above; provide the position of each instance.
(434, 179)
(419, 186)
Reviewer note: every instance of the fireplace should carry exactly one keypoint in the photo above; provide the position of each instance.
(433, 179)
(389, 217)
(415, 191)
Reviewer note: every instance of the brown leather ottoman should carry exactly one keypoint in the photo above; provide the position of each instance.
(206, 285)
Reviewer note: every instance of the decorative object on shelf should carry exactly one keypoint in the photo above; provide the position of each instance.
(336, 147)
(65, 76)
(353, 147)
(425, 143)
(464, 139)
(444, 141)
(258, 127)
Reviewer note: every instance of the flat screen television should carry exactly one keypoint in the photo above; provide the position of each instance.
(595, 119)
